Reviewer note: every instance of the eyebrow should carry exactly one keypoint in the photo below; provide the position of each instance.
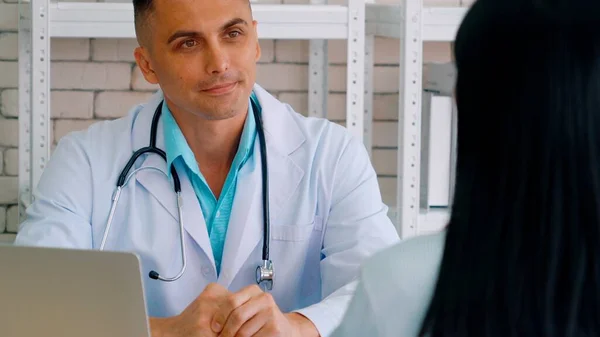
(188, 33)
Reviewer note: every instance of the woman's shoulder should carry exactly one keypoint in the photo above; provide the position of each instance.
(399, 281)
(413, 254)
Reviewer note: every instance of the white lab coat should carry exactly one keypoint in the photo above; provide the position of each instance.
(327, 214)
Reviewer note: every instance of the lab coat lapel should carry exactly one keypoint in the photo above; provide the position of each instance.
(161, 188)
(245, 230)
(193, 218)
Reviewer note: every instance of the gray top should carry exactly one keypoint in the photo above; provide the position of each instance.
(395, 288)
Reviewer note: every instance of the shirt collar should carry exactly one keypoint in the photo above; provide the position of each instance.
(176, 145)
(247, 139)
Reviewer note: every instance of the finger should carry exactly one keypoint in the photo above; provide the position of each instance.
(232, 302)
(253, 325)
(241, 315)
(268, 330)
(214, 290)
(202, 309)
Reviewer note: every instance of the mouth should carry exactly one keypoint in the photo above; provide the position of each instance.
(221, 89)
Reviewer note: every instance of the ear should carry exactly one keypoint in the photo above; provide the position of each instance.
(258, 50)
(142, 58)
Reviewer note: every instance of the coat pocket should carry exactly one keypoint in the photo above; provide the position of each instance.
(298, 232)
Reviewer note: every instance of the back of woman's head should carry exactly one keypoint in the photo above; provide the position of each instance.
(522, 255)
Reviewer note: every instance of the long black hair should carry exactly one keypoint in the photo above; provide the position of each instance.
(522, 253)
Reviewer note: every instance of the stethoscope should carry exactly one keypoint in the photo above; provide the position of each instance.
(264, 272)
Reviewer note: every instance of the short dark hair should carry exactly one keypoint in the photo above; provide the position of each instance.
(141, 11)
(521, 251)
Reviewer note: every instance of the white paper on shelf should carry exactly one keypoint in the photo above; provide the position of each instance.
(441, 78)
(436, 151)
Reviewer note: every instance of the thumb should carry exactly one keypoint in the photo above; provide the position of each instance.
(214, 291)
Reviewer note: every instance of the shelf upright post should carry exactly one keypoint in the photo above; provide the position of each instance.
(355, 73)
(40, 88)
(369, 92)
(409, 119)
(24, 43)
(318, 64)
(369, 88)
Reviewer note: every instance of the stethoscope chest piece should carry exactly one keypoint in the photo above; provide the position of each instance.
(264, 275)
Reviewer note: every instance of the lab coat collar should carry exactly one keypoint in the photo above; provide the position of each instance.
(281, 131)
(283, 136)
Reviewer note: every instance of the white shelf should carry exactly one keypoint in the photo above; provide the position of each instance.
(438, 23)
(358, 23)
(42, 20)
(115, 20)
(430, 221)
(413, 24)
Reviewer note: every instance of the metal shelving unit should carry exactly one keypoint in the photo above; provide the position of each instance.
(412, 24)
(359, 22)
(42, 20)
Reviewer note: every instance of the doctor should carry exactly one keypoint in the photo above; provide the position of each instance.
(324, 205)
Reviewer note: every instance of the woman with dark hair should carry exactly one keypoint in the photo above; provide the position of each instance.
(521, 253)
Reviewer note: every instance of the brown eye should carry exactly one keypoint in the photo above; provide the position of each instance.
(234, 34)
(189, 44)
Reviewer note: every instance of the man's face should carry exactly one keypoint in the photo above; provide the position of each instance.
(203, 54)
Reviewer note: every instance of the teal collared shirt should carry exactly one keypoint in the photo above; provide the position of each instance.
(216, 211)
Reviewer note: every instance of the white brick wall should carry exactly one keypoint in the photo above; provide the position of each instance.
(9, 132)
(11, 162)
(113, 50)
(10, 74)
(70, 49)
(12, 219)
(8, 17)
(2, 219)
(91, 75)
(8, 46)
(115, 104)
(99, 80)
(9, 100)
(72, 104)
(8, 190)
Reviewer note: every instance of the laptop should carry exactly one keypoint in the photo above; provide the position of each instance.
(70, 293)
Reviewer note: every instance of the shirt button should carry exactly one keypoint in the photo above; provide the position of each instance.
(206, 271)
(218, 214)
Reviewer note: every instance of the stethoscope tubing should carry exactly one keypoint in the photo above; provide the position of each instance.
(265, 270)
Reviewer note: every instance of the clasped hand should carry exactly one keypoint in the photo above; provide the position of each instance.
(216, 312)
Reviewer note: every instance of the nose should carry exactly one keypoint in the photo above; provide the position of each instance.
(217, 60)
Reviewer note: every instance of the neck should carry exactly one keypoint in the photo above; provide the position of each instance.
(213, 142)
